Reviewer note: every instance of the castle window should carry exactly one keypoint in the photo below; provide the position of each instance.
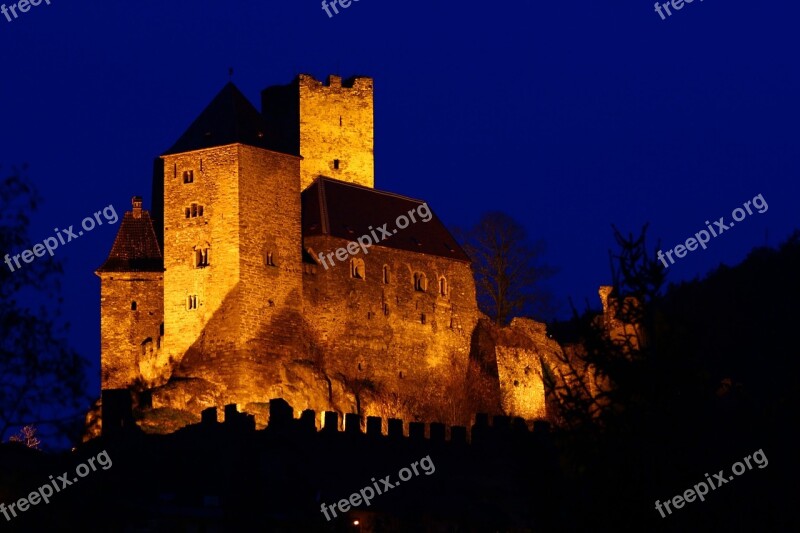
(201, 257)
(443, 286)
(175, 170)
(191, 302)
(336, 164)
(188, 176)
(386, 274)
(420, 282)
(422, 318)
(385, 307)
(270, 260)
(358, 269)
(340, 120)
(194, 211)
(133, 305)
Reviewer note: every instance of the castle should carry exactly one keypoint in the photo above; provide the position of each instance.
(217, 295)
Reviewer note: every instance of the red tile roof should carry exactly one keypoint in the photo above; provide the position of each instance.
(135, 248)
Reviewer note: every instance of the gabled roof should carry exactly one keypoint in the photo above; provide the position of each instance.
(229, 118)
(345, 210)
(136, 247)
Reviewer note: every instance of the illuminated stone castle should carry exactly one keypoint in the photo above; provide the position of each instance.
(217, 295)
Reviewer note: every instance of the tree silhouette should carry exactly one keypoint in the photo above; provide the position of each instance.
(41, 377)
(507, 268)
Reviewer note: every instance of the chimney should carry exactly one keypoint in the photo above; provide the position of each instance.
(137, 206)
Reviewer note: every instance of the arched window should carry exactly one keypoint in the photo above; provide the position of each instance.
(358, 269)
(386, 275)
(420, 282)
(442, 286)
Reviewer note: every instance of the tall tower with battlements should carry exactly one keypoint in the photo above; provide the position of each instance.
(331, 125)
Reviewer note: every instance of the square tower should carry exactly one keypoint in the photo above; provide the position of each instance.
(232, 237)
(330, 125)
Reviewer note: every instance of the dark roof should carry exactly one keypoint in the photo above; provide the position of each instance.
(229, 118)
(345, 210)
(135, 248)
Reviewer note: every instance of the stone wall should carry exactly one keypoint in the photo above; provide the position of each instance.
(130, 340)
(398, 346)
(215, 187)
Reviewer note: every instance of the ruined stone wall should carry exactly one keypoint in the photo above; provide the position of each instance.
(212, 327)
(126, 358)
(403, 341)
(336, 123)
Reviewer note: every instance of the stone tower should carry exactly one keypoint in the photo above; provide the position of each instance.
(231, 221)
(331, 125)
(131, 305)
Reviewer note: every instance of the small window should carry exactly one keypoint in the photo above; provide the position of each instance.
(357, 269)
(422, 318)
(133, 305)
(385, 307)
(270, 259)
(191, 302)
(201, 257)
(386, 274)
(188, 176)
(443, 286)
(420, 282)
(336, 164)
(194, 211)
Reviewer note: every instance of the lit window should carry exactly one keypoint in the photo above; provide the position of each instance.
(201, 257)
(357, 269)
(270, 260)
(188, 176)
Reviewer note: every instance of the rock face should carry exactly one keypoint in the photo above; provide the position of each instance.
(257, 277)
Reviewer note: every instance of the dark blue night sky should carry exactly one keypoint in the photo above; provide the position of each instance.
(569, 116)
